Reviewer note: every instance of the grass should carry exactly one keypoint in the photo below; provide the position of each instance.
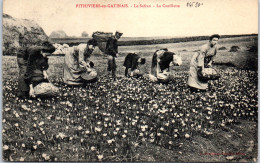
(242, 58)
(130, 41)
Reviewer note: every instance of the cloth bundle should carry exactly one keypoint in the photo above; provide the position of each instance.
(46, 89)
(163, 77)
(136, 73)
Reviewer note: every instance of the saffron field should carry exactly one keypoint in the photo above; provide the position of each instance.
(137, 120)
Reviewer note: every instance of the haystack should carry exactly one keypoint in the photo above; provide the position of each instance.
(27, 31)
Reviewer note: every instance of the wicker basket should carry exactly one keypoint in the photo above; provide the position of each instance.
(209, 74)
(89, 75)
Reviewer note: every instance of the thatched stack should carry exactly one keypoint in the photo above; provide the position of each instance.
(20, 32)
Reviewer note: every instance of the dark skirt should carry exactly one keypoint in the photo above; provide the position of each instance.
(131, 61)
(23, 87)
(37, 78)
(128, 61)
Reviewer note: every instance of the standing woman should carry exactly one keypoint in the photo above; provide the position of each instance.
(201, 60)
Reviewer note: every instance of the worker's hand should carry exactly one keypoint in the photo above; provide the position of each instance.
(210, 64)
(203, 72)
(45, 75)
(132, 73)
(93, 73)
(165, 72)
(31, 92)
(88, 69)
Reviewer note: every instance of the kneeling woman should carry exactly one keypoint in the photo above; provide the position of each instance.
(162, 59)
(36, 71)
(77, 67)
(133, 61)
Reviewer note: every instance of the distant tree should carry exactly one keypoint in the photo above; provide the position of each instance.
(84, 34)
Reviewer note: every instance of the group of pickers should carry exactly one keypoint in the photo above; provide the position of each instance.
(78, 69)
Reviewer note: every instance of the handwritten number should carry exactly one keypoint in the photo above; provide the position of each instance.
(194, 4)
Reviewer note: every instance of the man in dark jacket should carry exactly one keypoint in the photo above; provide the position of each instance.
(112, 52)
(133, 61)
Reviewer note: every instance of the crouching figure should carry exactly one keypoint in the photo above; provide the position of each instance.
(133, 61)
(36, 72)
(78, 69)
(161, 62)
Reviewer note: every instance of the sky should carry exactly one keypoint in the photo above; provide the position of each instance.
(213, 16)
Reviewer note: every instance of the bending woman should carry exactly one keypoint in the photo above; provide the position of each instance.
(161, 62)
(78, 69)
(133, 61)
(37, 66)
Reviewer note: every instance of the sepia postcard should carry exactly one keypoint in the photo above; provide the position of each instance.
(130, 81)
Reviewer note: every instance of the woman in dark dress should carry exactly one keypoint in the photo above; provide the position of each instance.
(22, 60)
(37, 66)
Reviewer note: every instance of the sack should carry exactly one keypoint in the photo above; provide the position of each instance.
(46, 89)
(101, 36)
(209, 74)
